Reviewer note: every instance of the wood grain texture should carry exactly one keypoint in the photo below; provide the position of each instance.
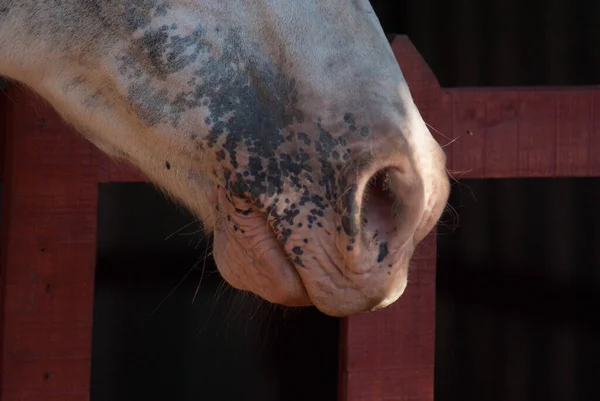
(524, 132)
(49, 208)
(389, 355)
(3, 101)
(110, 170)
(594, 145)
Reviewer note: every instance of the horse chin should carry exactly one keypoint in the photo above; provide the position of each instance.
(261, 268)
(250, 258)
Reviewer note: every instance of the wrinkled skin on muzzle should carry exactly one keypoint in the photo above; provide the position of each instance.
(286, 126)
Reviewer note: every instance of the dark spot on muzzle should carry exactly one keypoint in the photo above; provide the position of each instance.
(383, 252)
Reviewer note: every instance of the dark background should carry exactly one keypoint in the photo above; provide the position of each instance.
(518, 273)
(518, 291)
(501, 42)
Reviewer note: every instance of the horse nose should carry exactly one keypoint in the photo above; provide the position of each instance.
(379, 216)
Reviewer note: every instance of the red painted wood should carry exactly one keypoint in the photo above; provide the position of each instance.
(51, 397)
(524, 132)
(389, 355)
(469, 121)
(3, 100)
(594, 146)
(573, 133)
(110, 170)
(537, 133)
(48, 255)
(501, 146)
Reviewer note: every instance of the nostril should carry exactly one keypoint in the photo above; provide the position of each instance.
(392, 205)
(381, 209)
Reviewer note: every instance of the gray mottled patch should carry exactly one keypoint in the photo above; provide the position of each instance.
(169, 53)
(138, 14)
(151, 103)
(257, 130)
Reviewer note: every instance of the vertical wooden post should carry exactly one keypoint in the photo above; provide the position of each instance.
(49, 204)
(389, 355)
